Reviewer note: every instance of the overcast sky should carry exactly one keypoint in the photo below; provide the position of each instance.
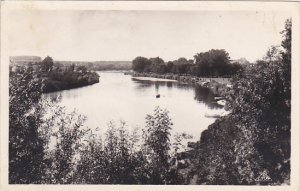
(123, 35)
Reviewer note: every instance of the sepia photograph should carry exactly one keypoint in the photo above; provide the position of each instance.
(149, 93)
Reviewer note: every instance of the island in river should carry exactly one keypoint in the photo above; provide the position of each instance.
(63, 80)
(55, 76)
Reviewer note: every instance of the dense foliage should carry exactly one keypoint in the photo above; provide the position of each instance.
(25, 145)
(214, 63)
(252, 145)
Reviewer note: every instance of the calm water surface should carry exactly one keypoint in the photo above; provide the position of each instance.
(121, 97)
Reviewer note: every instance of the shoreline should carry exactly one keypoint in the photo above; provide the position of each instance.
(153, 79)
(219, 86)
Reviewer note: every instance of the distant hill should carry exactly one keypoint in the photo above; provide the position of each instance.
(93, 65)
(99, 65)
(24, 59)
(111, 65)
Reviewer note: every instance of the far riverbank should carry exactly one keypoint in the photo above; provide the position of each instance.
(219, 86)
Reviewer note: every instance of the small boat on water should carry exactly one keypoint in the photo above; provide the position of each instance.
(157, 95)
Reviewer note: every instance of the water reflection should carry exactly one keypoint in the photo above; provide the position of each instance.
(202, 94)
(185, 86)
(67, 94)
(205, 95)
(149, 83)
(141, 84)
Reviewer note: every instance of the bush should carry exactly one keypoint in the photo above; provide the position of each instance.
(25, 144)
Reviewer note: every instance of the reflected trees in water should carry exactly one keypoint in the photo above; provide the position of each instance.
(206, 96)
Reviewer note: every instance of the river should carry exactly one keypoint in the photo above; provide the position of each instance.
(120, 97)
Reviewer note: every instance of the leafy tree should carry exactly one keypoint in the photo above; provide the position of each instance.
(169, 67)
(25, 143)
(68, 137)
(47, 64)
(181, 66)
(156, 61)
(91, 168)
(212, 63)
(157, 145)
(286, 58)
(117, 160)
(272, 55)
(139, 64)
(157, 65)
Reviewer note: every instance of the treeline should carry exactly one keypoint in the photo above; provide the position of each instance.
(56, 148)
(213, 63)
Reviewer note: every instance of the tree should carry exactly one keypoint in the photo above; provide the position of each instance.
(181, 66)
(139, 64)
(157, 65)
(273, 54)
(47, 64)
(286, 57)
(68, 135)
(170, 66)
(26, 150)
(157, 145)
(156, 61)
(212, 63)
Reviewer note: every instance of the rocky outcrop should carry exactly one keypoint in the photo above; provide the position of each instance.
(199, 164)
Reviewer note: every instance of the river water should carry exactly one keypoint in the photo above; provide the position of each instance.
(120, 97)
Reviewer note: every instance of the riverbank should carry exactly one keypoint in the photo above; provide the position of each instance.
(57, 81)
(198, 165)
(219, 86)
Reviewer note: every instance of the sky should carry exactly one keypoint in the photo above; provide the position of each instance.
(87, 35)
